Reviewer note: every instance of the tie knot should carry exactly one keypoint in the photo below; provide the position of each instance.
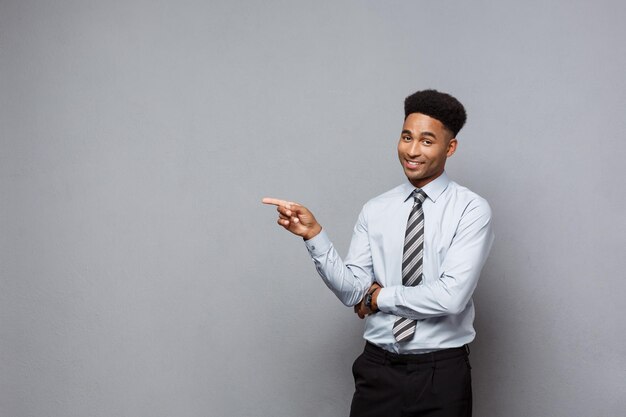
(419, 196)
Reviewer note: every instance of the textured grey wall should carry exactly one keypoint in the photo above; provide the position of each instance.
(140, 275)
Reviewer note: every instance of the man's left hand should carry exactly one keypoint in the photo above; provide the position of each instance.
(361, 309)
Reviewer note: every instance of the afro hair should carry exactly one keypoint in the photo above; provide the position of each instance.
(441, 106)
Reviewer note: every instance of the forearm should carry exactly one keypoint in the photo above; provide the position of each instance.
(445, 296)
(348, 282)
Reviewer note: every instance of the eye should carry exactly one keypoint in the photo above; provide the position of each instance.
(406, 138)
(427, 142)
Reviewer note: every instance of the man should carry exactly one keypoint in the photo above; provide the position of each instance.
(413, 264)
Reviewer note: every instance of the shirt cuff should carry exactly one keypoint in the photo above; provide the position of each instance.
(318, 245)
(385, 300)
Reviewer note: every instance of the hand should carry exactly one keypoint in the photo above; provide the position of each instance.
(361, 309)
(295, 218)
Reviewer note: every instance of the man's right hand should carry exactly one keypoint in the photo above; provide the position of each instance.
(295, 217)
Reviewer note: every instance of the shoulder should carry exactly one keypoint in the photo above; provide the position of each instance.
(466, 200)
(393, 196)
(383, 204)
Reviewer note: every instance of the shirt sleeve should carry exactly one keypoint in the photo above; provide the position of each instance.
(351, 279)
(460, 270)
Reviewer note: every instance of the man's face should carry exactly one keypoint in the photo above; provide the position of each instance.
(424, 146)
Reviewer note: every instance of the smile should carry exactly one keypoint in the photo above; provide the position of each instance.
(412, 164)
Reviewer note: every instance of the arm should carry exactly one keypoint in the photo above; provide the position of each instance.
(460, 270)
(350, 280)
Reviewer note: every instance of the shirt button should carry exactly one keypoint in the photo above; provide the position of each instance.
(313, 247)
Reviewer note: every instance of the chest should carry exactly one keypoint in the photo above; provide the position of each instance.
(388, 228)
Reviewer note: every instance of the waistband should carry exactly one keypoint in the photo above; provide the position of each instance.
(438, 355)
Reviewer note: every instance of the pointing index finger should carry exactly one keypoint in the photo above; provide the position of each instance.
(276, 202)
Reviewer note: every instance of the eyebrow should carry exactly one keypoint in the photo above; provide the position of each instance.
(426, 133)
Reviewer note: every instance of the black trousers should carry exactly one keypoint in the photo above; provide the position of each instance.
(434, 384)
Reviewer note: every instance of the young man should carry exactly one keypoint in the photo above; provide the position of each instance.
(413, 264)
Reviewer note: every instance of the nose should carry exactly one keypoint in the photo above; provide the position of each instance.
(414, 149)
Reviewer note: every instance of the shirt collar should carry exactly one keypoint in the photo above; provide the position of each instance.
(433, 189)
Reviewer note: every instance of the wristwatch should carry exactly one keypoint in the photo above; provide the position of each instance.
(368, 300)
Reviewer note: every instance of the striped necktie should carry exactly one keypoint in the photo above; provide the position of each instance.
(403, 328)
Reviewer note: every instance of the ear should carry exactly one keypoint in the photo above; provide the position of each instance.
(451, 147)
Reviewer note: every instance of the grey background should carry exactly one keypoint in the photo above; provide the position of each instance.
(141, 276)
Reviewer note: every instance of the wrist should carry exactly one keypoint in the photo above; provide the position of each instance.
(315, 230)
(370, 300)
(375, 299)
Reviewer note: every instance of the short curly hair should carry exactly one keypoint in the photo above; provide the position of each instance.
(441, 106)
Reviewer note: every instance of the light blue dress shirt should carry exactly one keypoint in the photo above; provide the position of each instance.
(457, 240)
